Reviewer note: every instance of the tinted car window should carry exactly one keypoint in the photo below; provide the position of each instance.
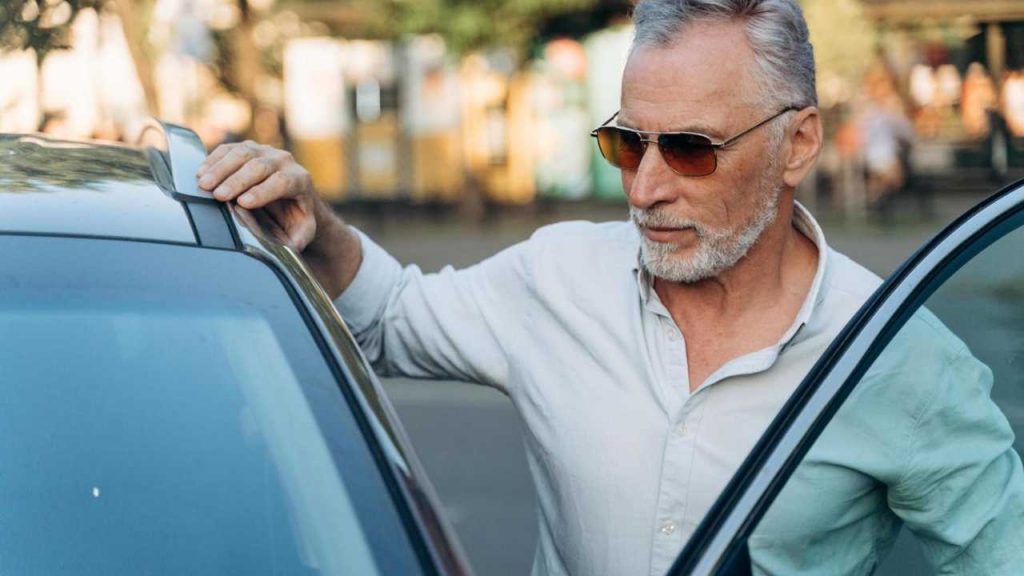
(924, 443)
(165, 410)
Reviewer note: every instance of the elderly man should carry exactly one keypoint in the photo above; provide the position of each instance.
(645, 357)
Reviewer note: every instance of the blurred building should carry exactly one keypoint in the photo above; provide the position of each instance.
(406, 119)
(958, 66)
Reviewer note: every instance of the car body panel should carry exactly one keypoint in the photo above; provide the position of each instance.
(94, 190)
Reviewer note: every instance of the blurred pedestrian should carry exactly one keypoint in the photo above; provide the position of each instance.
(1013, 103)
(979, 96)
(887, 138)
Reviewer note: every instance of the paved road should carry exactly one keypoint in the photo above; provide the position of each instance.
(469, 437)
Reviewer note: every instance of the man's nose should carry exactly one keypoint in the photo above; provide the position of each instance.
(653, 181)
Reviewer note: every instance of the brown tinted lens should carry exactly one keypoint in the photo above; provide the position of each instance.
(688, 154)
(621, 148)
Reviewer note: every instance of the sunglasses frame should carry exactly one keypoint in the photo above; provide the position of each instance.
(646, 137)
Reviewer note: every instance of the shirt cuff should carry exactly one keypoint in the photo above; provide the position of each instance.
(365, 299)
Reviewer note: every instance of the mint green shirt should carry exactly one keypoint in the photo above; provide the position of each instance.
(919, 442)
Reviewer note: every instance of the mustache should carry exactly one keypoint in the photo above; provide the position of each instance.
(659, 218)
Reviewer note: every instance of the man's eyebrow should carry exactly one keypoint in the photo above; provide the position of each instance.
(695, 127)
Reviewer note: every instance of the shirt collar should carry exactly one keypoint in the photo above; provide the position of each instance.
(808, 226)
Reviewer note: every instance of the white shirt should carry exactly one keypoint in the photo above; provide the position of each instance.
(625, 460)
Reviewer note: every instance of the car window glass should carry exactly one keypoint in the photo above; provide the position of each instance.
(919, 470)
(165, 410)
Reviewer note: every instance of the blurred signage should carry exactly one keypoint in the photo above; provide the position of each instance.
(610, 48)
(370, 71)
(562, 147)
(19, 101)
(369, 60)
(430, 102)
(314, 83)
(316, 110)
(912, 10)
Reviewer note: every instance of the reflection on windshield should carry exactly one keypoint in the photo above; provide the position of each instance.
(164, 410)
(28, 165)
(180, 436)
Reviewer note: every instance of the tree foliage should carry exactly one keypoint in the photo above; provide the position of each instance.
(37, 165)
(42, 25)
(468, 24)
(843, 40)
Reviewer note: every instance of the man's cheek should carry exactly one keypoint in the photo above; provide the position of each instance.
(627, 180)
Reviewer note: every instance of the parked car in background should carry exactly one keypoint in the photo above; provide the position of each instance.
(177, 395)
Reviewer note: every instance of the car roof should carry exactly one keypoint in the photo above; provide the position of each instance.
(56, 187)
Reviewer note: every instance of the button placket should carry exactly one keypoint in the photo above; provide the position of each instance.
(673, 490)
(668, 528)
(683, 438)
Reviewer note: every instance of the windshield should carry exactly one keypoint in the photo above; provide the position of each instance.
(164, 410)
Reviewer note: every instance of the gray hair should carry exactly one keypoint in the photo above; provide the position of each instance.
(776, 30)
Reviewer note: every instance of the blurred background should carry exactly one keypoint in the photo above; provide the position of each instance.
(490, 102)
(449, 129)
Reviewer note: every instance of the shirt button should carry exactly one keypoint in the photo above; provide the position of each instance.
(682, 429)
(668, 528)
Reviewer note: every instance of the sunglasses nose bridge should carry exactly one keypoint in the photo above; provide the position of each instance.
(655, 139)
(644, 140)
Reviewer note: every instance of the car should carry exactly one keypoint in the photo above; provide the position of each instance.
(177, 394)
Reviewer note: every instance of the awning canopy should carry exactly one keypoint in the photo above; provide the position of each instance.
(916, 11)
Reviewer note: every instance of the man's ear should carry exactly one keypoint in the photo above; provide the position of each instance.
(804, 145)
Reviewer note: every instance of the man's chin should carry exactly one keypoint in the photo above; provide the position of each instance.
(676, 267)
(678, 275)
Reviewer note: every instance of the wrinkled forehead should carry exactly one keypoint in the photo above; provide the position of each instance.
(708, 71)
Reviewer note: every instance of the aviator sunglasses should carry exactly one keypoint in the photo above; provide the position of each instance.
(686, 153)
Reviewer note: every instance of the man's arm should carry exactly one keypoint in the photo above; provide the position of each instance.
(458, 324)
(259, 177)
(962, 490)
(454, 324)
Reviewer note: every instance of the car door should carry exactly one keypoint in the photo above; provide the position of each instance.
(899, 453)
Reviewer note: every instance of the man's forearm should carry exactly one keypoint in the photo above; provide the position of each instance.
(335, 254)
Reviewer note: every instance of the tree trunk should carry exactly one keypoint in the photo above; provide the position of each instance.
(136, 39)
(40, 103)
(246, 59)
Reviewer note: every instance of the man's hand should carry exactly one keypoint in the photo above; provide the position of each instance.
(259, 177)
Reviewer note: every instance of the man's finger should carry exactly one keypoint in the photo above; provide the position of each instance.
(283, 183)
(293, 222)
(301, 234)
(232, 161)
(242, 180)
(273, 188)
(214, 157)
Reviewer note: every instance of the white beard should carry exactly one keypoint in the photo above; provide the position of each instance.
(717, 250)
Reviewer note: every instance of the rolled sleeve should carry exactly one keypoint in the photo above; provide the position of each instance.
(365, 299)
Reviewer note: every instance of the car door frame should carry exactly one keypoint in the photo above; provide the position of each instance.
(432, 536)
(719, 545)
